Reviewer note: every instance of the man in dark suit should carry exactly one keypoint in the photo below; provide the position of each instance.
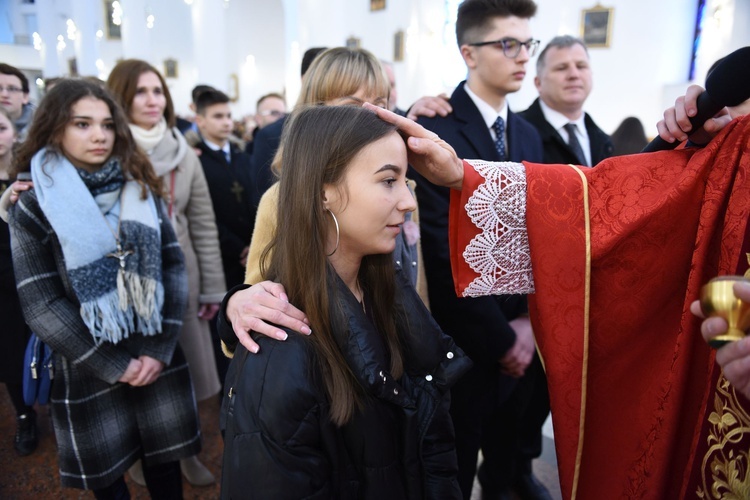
(563, 79)
(495, 41)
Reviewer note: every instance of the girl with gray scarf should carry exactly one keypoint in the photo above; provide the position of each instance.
(101, 281)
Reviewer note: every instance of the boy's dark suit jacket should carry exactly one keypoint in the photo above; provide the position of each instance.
(479, 325)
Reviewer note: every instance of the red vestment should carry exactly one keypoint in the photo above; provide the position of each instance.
(639, 406)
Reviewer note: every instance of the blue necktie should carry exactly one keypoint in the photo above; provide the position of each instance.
(575, 146)
(499, 128)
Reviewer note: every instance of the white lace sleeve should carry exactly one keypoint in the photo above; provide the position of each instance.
(500, 252)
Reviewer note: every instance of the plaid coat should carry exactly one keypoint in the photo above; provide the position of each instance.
(102, 426)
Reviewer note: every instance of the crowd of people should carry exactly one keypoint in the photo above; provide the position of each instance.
(375, 311)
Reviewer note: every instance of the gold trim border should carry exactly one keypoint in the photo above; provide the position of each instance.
(586, 316)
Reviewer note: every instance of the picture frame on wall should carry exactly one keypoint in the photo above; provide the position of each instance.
(73, 67)
(596, 26)
(399, 40)
(377, 5)
(353, 42)
(233, 88)
(113, 30)
(171, 68)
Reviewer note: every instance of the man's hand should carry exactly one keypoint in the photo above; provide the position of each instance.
(676, 122)
(150, 370)
(208, 311)
(255, 307)
(428, 153)
(430, 106)
(518, 357)
(734, 358)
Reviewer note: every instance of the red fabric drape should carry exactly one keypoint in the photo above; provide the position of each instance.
(662, 225)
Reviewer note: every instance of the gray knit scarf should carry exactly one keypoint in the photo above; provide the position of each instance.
(84, 210)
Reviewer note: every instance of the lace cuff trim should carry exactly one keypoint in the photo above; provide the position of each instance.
(500, 252)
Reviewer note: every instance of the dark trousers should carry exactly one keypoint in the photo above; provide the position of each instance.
(515, 439)
(164, 481)
(503, 417)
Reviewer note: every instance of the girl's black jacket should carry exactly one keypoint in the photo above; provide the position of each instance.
(281, 444)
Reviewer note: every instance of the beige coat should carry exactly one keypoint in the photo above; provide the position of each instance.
(193, 218)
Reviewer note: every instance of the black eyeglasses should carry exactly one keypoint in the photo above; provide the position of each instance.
(511, 46)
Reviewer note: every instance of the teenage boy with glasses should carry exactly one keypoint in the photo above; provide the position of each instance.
(488, 403)
(14, 97)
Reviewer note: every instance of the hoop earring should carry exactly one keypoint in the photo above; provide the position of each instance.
(338, 234)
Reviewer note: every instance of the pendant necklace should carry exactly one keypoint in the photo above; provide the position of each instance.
(119, 254)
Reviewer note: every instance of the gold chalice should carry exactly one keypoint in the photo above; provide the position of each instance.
(717, 299)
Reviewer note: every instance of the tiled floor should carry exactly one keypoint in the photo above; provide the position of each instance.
(545, 469)
(36, 476)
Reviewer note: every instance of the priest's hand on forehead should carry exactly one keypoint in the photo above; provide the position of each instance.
(431, 156)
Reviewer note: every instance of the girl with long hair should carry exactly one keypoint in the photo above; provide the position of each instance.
(144, 95)
(101, 280)
(359, 409)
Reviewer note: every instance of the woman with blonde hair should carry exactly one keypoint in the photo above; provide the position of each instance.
(337, 77)
(144, 95)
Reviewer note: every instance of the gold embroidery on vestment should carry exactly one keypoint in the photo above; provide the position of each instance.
(726, 472)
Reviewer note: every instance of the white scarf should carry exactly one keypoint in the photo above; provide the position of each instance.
(147, 140)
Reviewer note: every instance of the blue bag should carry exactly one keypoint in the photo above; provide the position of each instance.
(38, 372)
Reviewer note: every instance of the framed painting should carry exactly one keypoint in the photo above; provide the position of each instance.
(113, 19)
(171, 68)
(353, 42)
(398, 46)
(377, 5)
(596, 26)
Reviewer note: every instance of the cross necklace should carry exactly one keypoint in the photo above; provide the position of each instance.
(119, 253)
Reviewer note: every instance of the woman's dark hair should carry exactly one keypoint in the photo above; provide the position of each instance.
(319, 145)
(123, 83)
(54, 114)
(630, 137)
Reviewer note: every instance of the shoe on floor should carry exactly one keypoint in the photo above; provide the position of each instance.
(25, 441)
(528, 487)
(136, 473)
(195, 472)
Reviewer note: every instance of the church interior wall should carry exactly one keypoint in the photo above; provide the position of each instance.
(642, 70)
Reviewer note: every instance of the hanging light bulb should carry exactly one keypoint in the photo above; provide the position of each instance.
(72, 30)
(116, 13)
(61, 43)
(99, 34)
(150, 21)
(37, 40)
